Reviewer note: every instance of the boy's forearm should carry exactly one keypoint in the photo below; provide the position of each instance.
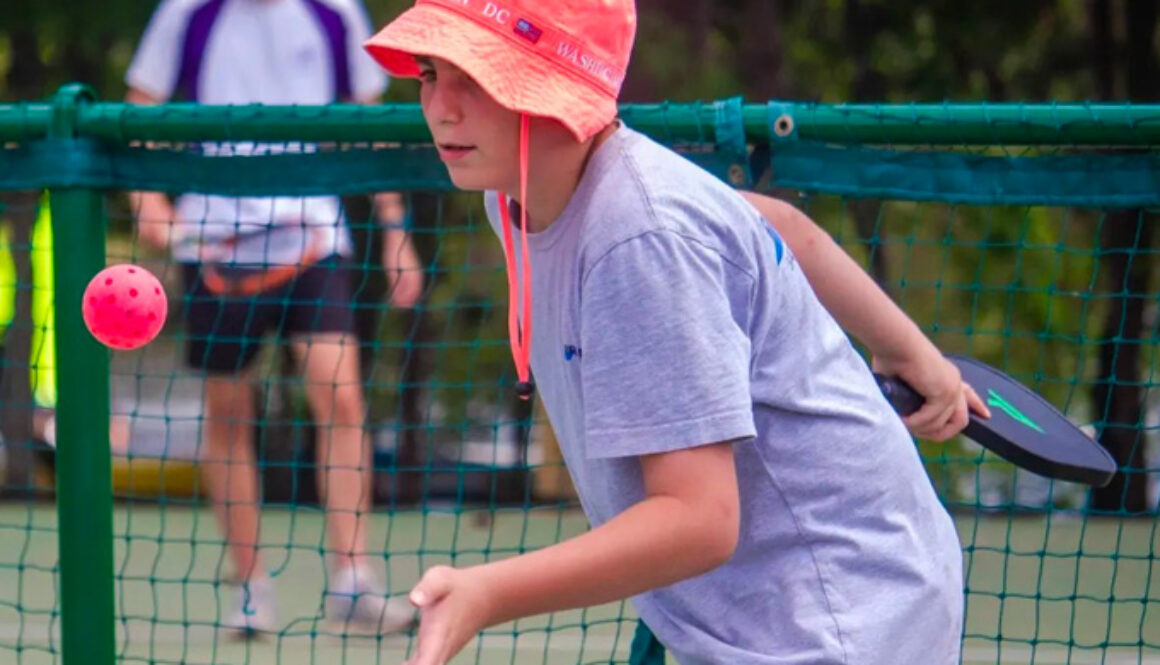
(855, 301)
(655, 543)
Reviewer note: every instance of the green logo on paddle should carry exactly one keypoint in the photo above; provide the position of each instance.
(996, 400)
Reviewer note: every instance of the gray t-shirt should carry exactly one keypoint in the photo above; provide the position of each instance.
(668, 315)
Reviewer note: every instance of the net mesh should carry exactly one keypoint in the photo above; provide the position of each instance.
(1034, 259)
(1050, 575)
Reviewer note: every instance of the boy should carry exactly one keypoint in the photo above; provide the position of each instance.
(745, 480)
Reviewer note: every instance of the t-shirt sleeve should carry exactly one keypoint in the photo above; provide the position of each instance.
(367, 78)
(665, 365)
(155, 65)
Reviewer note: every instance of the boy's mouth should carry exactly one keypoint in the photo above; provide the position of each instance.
(450, 152)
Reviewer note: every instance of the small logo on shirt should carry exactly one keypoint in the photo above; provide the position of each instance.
(778, 247)
(571, 352)
(525, 29)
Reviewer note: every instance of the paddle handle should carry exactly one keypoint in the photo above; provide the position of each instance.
(901, 396)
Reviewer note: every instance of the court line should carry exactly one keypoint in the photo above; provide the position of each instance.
(143, 633)
(977, 655)
(567, 640)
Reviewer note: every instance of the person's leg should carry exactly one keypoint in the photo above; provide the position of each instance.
(321, 324)
(229, 469)
(329, 362)
(223, 338)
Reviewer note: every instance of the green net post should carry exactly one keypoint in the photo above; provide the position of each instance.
(83, 464)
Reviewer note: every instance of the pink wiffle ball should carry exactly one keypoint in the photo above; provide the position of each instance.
(125, 307)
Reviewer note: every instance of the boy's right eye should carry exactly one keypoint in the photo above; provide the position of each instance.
(426, 75)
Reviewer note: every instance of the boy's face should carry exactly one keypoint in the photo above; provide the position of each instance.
(478, 140)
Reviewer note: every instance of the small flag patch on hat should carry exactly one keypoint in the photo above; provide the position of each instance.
(525, 29)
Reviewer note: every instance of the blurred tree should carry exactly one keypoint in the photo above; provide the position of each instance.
(701, 49)
(1123, 54)
(862, 22)
(754, 27)
(51, 42)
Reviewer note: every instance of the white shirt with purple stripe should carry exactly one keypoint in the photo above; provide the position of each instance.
(256, 52)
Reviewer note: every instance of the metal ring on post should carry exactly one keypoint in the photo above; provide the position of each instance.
(783, 127)
(737, 175)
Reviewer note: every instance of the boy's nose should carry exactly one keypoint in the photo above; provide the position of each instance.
(444, 106)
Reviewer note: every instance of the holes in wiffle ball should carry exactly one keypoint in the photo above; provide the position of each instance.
(132, 292)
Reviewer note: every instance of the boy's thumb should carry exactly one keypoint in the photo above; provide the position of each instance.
(435, 584)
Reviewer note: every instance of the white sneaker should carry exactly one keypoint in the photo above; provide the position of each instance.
(356, 601)
(255, 612)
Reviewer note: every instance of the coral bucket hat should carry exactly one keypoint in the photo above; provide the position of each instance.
(562, 59)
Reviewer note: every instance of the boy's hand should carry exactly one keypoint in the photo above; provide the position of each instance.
(453, 608)
(949, 400)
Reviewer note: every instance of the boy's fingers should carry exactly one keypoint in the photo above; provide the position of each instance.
(425, 644)
(930, 418)
(433, 637)
(957, 422)
(922, 418)
(435, 584)
(976, 403)
(960, 417)
(425, 656)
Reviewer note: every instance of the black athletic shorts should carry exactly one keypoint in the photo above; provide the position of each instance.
(224, 333)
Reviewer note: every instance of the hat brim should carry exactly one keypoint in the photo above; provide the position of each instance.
(516, 78)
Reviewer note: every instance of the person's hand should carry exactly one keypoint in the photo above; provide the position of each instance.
(404, 271)
(453, 608)
(948, 399)
(156, 221)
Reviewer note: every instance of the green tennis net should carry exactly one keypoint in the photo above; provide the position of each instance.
(1021, 235)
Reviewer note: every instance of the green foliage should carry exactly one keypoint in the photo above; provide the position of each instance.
(909, 50)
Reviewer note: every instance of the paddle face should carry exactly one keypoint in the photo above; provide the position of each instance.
(1024, 428)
